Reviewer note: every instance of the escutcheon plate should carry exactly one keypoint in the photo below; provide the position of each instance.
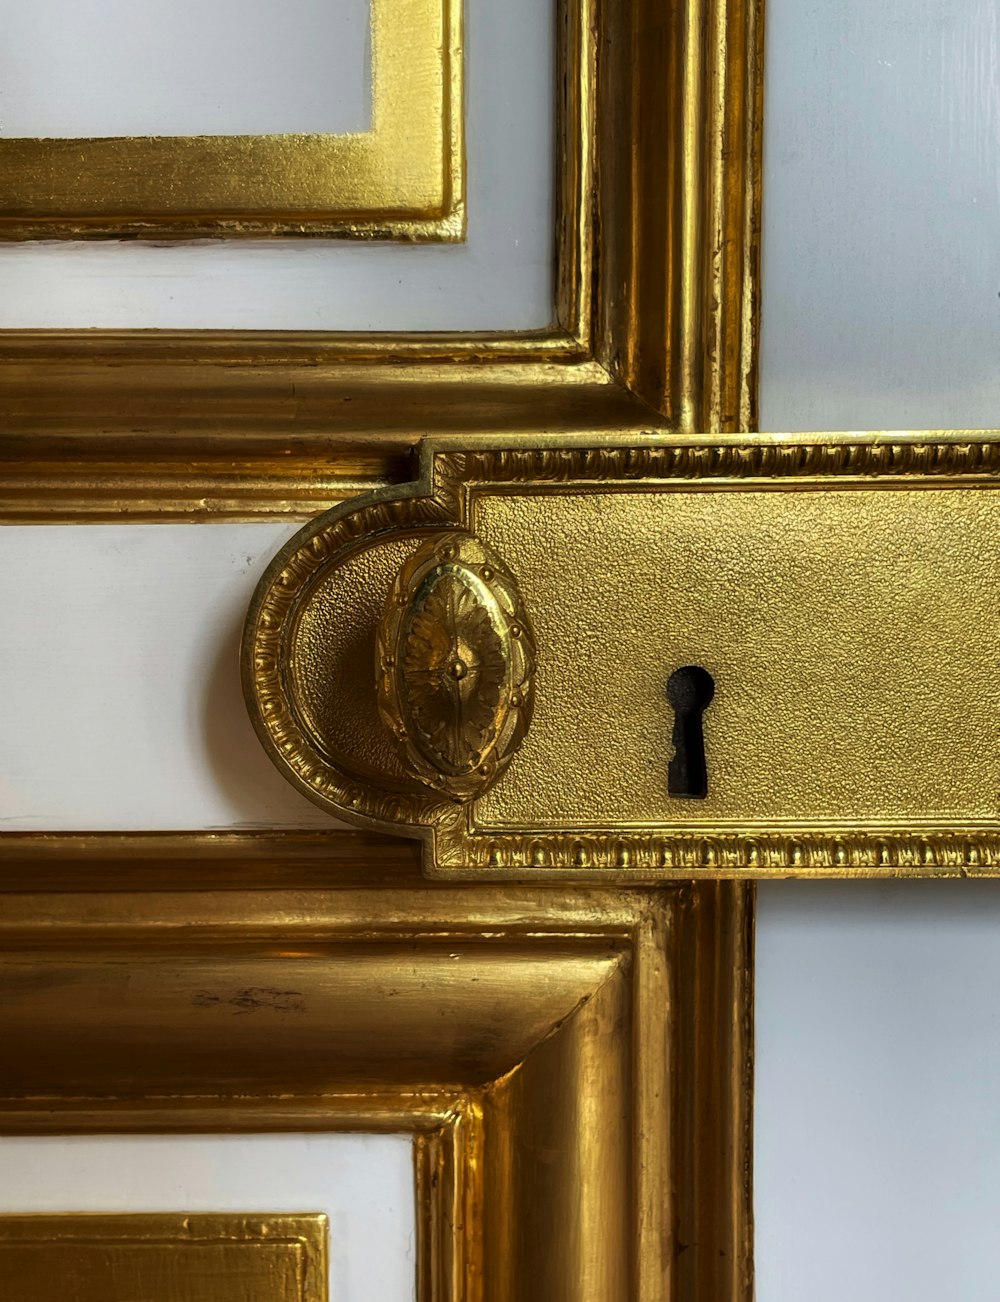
(840, 590)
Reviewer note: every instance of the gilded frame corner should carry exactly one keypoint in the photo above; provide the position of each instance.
(552, 1050)
(403, 179)
(654, 322)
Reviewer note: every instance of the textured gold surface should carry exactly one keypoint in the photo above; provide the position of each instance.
(163, 1258)
(654, 318)
(851, 636)
(841, 593)
(574, 1062)
(403, 179)
(331, 663)
(455, 664)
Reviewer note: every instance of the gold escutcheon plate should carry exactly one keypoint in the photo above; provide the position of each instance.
(840, 593)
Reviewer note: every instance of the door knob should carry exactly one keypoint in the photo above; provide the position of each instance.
(455, 663)
(836, 602)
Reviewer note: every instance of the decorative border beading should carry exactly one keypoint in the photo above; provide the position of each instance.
(656, 856)
(874, 459)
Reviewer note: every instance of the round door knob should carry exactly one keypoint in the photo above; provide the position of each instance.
(455, 662)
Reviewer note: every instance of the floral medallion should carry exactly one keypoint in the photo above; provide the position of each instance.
(456, 661)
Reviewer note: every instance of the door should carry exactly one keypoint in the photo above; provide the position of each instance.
(875, 1026)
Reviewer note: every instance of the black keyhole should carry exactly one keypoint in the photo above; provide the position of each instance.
(689, 691)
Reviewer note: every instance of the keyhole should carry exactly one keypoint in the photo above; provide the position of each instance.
(689, 691)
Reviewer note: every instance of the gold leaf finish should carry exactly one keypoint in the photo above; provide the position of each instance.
(455, 665)
(654, 322)
(573, 1062)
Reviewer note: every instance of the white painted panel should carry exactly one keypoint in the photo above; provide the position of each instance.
(119, 680)
(186, 68)
(364, 1183)
(877, 1137)
(502, 278)
(878, 1029)
(877, 1142)
(881, 212)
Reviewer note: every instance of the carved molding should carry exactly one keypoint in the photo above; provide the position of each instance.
(880, 457)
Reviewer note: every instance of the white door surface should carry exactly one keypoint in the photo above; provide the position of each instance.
(877, 1148)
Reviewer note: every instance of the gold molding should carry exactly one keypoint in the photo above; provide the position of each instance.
(556, 1051)
(402, 179)
(165, 1256)
(654, 320)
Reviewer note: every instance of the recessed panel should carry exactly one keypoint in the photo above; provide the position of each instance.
(500, 278)
(400, 178)
(229, 1187)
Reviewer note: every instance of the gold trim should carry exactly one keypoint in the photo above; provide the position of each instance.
(163, 1256)
(556, 1050)
(403, 179)
(649, 313)
(956, 454)
(679, 316)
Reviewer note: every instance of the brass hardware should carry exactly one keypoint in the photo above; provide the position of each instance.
(455, 662)
(164, 1257)
(403, 179)
(843, 594)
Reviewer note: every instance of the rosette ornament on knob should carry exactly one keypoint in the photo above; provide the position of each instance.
(455, 665)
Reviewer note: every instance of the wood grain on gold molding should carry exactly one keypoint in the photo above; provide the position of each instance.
(164, 1257)
(654, 322)
(549, 1047)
